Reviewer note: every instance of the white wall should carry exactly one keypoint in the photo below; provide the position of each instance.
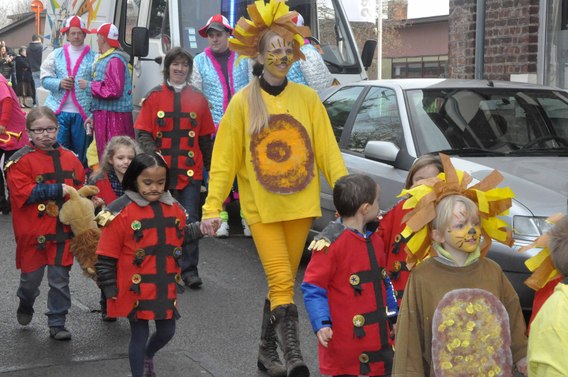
(428, 8)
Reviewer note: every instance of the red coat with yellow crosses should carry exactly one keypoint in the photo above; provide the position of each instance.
(176, 121)
(390, 229)
(146, 240)
(41, 239)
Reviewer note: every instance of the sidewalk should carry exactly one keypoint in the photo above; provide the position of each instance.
(167, 363)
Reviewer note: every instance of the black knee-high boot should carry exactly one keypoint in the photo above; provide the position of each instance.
(268, 360)
(4, 201)
(285, 320)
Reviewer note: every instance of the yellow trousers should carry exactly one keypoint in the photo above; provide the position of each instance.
(280, 247)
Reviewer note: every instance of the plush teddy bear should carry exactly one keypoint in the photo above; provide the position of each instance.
(79, 213)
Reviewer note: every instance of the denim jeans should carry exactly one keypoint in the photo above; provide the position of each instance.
(190, 199)
(58, 298)
(37, 84)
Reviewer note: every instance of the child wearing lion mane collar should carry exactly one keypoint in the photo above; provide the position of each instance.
(460, 316)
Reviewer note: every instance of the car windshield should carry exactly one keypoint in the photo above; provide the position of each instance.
(489, 120)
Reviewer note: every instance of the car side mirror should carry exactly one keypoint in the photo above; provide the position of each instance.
(140, 41)
(368, 53)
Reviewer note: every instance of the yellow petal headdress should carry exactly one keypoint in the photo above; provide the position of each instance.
(422, 200)
(541, 265)
(274, 15)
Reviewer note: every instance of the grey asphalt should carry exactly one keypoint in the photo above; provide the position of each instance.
(216, 336)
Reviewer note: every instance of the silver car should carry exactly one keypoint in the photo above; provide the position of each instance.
(519, 129)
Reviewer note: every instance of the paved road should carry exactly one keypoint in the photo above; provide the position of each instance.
(216, 336)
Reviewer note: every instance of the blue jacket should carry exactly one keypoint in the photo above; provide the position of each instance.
(57, 67)
(208, 77)
(123, 104)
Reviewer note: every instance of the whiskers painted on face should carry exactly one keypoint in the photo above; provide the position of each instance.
(277, 59)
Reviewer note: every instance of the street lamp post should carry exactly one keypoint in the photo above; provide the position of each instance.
(37, 8)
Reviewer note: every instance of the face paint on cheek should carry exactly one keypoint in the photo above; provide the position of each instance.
(466, 239)
(279, 59)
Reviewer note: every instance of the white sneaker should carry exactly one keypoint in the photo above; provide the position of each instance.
(223, 231)
(246, 229)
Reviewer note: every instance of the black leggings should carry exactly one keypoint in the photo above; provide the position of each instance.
(140, 347)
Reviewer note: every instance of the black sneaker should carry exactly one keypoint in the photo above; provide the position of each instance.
(24, 314)
(59, 333)
(193, 281)
(106, 318)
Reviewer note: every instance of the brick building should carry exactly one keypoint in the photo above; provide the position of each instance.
(511, 39)
(414, 45)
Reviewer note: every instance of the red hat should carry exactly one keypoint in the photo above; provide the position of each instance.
(217, 22)
(74, 21)
(110, 32)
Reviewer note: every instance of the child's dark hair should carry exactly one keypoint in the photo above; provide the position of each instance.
(141, 162)
(559, 246)
(40, 112)
(352, 191)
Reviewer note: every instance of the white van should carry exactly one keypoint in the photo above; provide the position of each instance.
(149, 28)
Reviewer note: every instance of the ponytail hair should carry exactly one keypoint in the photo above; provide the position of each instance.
(258, 113)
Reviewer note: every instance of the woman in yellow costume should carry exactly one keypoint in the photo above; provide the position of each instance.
(275, 137)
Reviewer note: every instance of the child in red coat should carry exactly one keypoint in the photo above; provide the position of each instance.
(138, 258)
(391, 224)
(38, 177)
(347, 292)
(116, 158)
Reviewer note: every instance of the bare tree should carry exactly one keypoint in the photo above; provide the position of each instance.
(13, 11)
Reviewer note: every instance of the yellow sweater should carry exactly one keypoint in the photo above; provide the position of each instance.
(233, 155)
(548, 340)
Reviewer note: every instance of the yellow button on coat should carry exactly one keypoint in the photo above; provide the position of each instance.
(136, 225)
(396, 266)
(354, 279)
(190, 173)
(358, 320)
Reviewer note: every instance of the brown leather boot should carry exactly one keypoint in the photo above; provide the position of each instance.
(268, 360)
(285, 320)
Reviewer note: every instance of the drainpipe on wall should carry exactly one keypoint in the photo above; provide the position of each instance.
(479, 39)
(380, 40)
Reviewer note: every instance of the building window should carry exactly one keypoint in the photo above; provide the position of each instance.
(426, 66)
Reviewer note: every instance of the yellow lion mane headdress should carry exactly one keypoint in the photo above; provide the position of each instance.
(274, 15)
(423, 199)
(541, 266)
